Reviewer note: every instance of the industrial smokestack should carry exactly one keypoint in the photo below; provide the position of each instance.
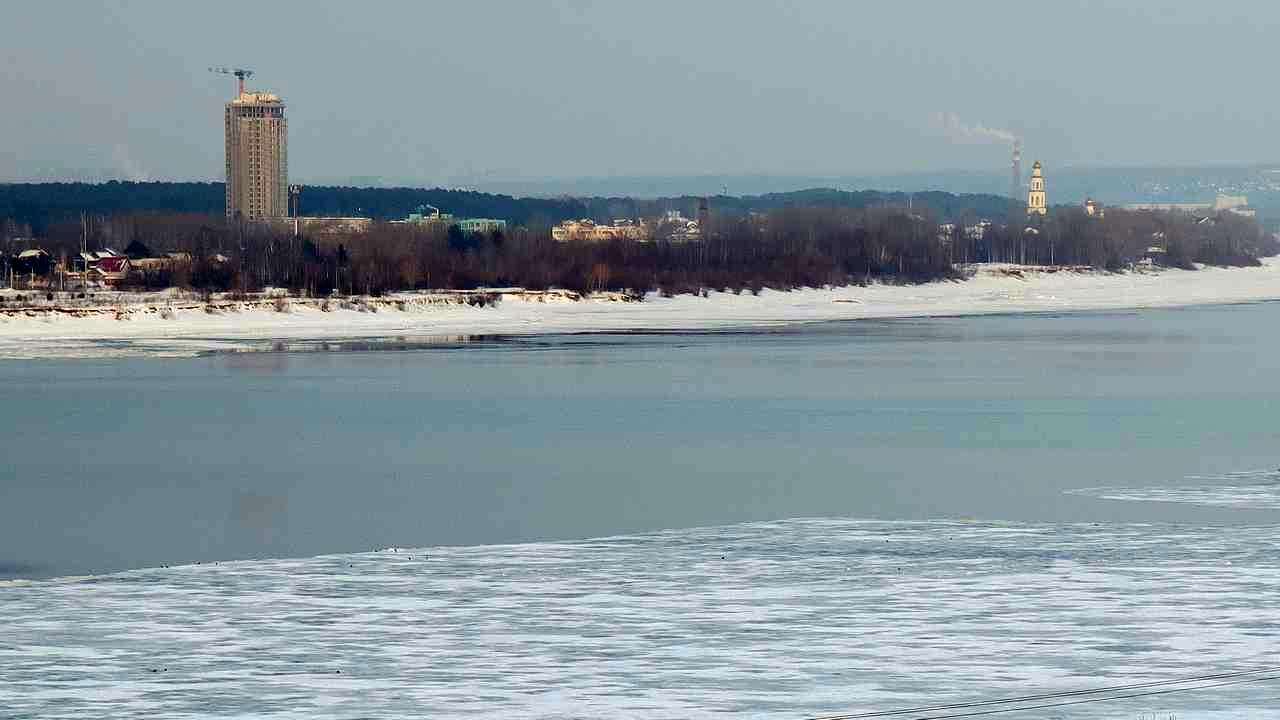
(1015, 182)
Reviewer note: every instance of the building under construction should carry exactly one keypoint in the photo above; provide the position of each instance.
(257, 162)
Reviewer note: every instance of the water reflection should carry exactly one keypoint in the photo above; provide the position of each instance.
(274, 361)
(369, 344)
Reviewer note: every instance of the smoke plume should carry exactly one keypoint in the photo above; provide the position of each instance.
(960, 131)
(126, 166)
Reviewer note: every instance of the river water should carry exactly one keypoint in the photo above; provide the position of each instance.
(842, 516)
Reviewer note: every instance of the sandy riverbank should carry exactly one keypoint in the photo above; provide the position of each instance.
(167, 326)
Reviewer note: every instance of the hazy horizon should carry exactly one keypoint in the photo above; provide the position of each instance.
(497, 92)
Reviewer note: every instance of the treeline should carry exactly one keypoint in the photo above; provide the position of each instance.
(39, 205)
(1069, 236)
(42, 204)
(786, 248)
(783, 248)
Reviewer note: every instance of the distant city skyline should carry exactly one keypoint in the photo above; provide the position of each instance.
(488, 93)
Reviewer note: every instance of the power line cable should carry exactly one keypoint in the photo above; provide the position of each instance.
(1048, 696)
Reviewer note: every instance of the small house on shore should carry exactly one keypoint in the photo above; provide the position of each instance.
(110, 271)
(31, 268)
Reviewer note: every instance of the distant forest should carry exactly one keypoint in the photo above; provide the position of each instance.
(38, 205)
(810, 238)
(781, 249)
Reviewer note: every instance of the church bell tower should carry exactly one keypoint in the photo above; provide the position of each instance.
(1036, 201)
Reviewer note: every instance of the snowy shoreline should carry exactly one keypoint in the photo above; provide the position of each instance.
(163, 327)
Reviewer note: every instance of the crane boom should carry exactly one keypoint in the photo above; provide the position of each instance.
(240, 73)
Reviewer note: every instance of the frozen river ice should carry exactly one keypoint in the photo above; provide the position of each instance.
(784, 619)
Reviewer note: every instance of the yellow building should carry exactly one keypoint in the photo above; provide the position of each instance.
(588, 230)
(1037, 204)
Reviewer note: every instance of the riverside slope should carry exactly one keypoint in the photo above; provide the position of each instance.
(992, 289)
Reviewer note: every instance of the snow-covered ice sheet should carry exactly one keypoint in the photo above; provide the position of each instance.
(766, 620)
(1258, 490)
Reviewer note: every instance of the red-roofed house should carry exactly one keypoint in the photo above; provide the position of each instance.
(111, 270)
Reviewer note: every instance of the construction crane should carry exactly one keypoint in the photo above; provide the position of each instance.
(240, 73)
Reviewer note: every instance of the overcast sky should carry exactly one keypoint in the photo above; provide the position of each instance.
(450, 92)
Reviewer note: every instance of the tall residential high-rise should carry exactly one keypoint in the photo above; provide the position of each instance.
(257, 139)
(1037, 203)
